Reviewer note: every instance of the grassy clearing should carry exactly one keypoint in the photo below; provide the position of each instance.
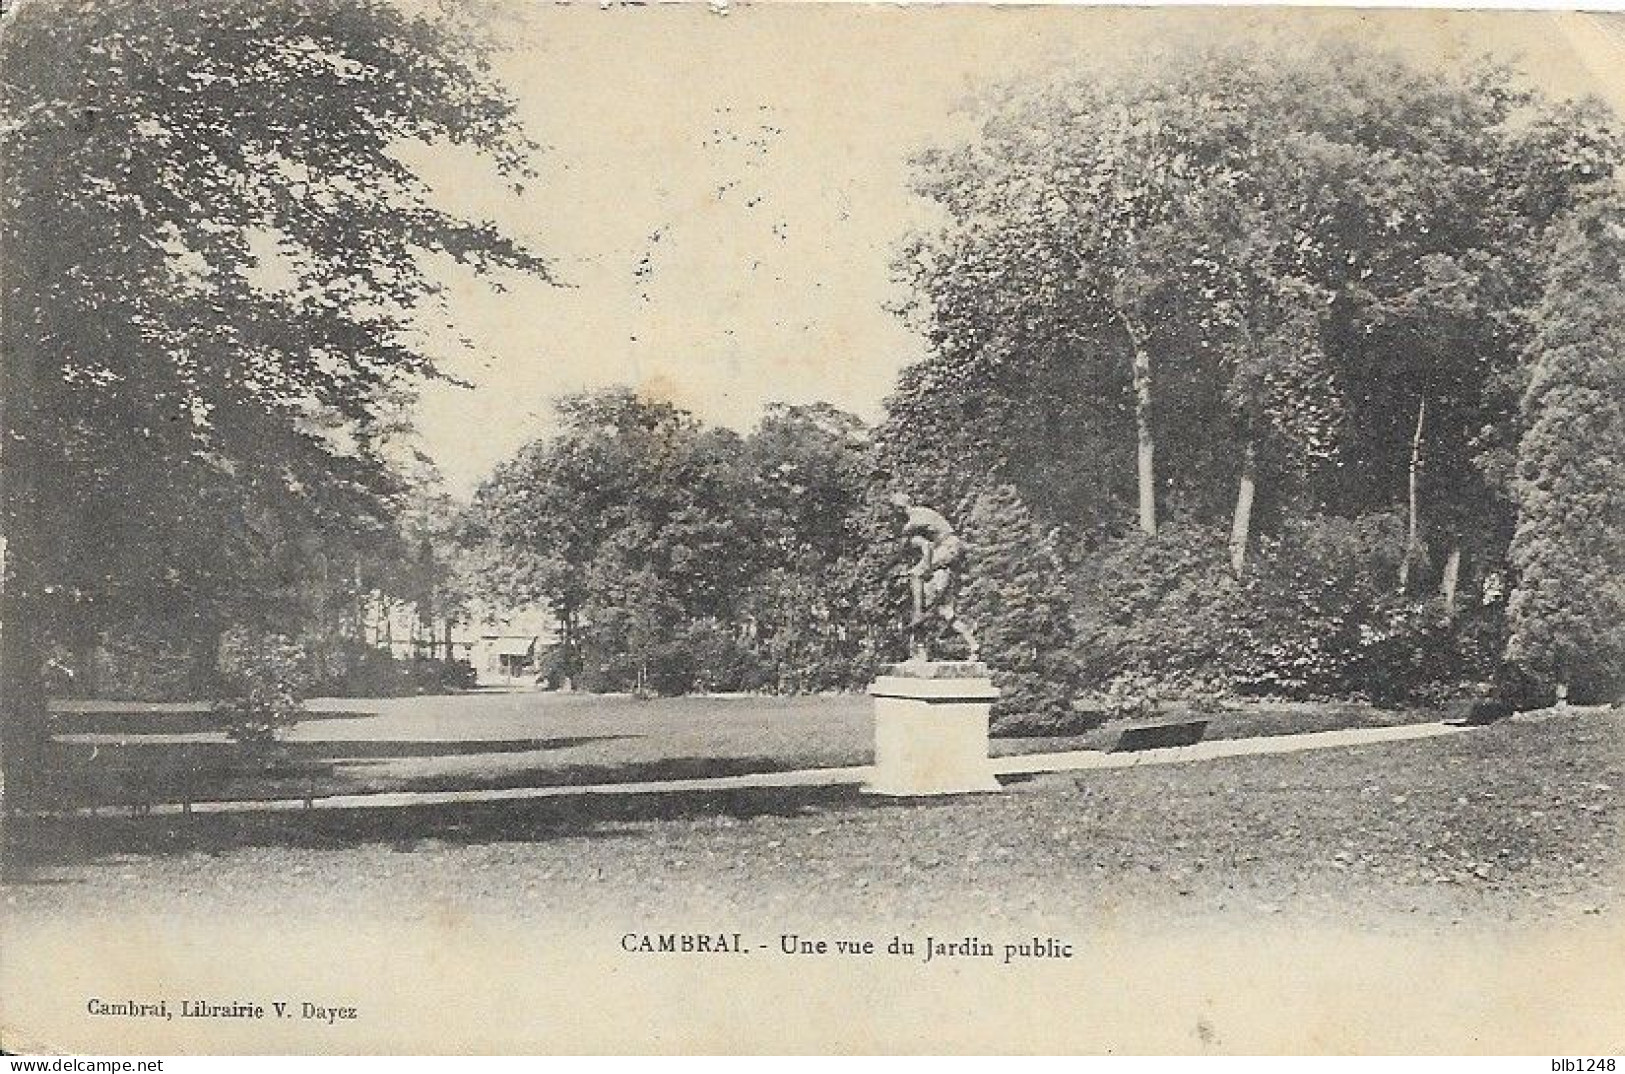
(1517, 821)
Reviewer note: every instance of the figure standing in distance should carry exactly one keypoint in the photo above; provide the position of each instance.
(934, 578)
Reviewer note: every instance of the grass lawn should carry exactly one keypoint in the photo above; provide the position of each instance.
(475, 740)
(1517, 821)
(105, 756)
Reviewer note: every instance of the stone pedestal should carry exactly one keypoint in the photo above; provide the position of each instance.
(931, 728)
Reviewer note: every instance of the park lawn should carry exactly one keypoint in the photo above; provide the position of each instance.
(108, 758)
(484, 740)
(1517, 821)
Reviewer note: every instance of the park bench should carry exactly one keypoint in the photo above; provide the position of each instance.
(1160, 734)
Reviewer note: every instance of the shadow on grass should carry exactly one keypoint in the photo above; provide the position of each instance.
(1245, 720)
(139, 776)
(188, 721)
(660, 771)
(99, 775)
(46, 843)
(325, 749)
(387, 748)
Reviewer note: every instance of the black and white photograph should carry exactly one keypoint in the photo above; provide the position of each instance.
(797, 528)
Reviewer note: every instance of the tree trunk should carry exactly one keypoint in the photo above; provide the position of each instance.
(567, 681)
(449, 655)
(205, 654)
(23, 726)
(1241, 523)
(1146, 437)
(1413, 527)
(23, 730)
(86, 681)
(1452, 576)
(358, 607)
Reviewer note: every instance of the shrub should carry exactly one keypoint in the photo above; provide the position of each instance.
(1315, 615)
(1132, 695)
(605, 669)
(557, 665)
(1014, 598)
(671, 669)
(1404, 647)
(704, 655)
(261, 683)
(1161, 608)
(719, 660)
(359, 671)
(366, 671)
(434, 675)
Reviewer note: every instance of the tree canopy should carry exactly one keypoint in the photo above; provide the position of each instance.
(656, 540)
(1230, 256)
(214, 262)
(1243, 368)
(1270, 287)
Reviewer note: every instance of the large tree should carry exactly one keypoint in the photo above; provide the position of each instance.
(1568, 602)
(1068, 213)
(213, 259)
(1240, 290)
(632, 515)
(807, 466)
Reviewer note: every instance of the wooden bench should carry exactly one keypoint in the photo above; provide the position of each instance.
(1160, 734)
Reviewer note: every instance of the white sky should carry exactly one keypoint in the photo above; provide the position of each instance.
(723, 194)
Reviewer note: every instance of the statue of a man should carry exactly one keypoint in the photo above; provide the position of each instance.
(933, 579)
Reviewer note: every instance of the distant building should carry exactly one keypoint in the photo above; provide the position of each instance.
(502, 649)
(510, 647)
(505, 657)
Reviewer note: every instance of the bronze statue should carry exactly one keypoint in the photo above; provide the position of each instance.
(934, 578)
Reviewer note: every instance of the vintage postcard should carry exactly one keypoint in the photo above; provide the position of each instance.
(811, 528)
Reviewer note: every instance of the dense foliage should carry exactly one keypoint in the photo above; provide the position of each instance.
(676, 556)
(1016, 598)
(1252, 333)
